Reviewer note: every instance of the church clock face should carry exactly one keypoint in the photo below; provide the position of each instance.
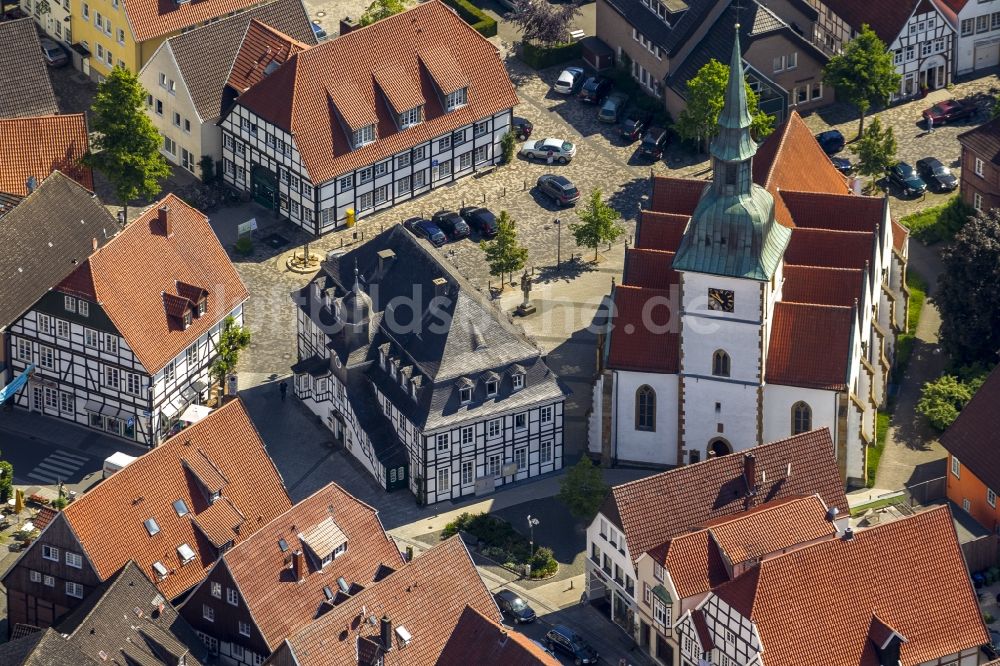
(721, 300)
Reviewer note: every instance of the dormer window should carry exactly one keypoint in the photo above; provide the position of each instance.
(364, 136)
(202, 306)
(187, 319)
(491, 387)
(392, 369)
(465, 395)
(410, 118)
(457, 99)
(517, 381)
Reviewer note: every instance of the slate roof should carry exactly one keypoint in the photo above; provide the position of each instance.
(671, 38)
(42, 648)
(205, 56)
(150, 19)
(887, 19)
(974, 437)
(478, 639)
(652, 510)
(108, 520)
(810, 346)
(983, 141)
(131, 289)
(37, 146)
(45, 238)
(25, 89)
(332, 85)
(821, 599)
(427, 596)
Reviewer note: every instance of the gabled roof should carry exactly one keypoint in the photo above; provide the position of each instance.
(983, 141)
(829, 248)
(25, 89)
(839, 212)
(684, 17)
(42, 648)
(262, 50)
(649, 268)
(660, 231)
(320, 91)
(634, 344)
(109, 520)
(131, 289)
(817, 285)
(810, 346)
(35, 147)
(653, 510)
(150, 19)
(478, 639)
(887, 19)
(693, 561)
(974, 437)
(820, 599)
(260, 569)
(205, 56)
(45, 238)
(427, 597)
(676, 195)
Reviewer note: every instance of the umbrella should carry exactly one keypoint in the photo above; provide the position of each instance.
(18, 501)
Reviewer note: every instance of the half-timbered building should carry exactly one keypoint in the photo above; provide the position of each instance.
(124, 343)
(375, 117)
(420, 378)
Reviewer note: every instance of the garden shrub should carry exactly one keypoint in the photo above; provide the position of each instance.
(480, 21)
(541, 57)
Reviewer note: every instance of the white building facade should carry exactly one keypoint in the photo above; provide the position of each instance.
(977, 35)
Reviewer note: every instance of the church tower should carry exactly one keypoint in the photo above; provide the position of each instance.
(730, 261)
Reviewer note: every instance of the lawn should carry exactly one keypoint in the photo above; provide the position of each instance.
(939, 223)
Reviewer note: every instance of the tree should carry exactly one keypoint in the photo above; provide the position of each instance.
(706, 95)
(6, 481)
(544, 22)
(598, 224)
(942, 399)
(507, 146)
(504, 254)
(583, 489)
(127, 146)
(876, 150)
(863, 73)
(967, 296)
(381, 9)
(232, 340)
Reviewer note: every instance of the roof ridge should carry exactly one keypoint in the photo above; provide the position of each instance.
(814, 305)
(846, 269)
(786, 129)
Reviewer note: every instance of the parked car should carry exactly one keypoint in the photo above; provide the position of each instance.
(515, 606)
(423, 228)
(595, 89)
(949, 110)
(558, 188)
(481, 219)
(55, 55)
(522, 129)
(654, 142)
(569, 81)
(612, 108)
(451, 223)
(563, 639)
(560, 150)
(831, 141)
(903, 176)
(842, 164)
(936, 174)
(318, 31)
(634, 125)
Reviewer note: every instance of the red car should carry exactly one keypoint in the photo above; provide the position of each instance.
(949, 110)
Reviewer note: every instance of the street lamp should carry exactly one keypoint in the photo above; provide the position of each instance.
(531, 527)
(558, 223)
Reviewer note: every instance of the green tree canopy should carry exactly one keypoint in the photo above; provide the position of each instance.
(942, 399)
(381, 9)
(232, 340)
(863, 73)
(876, 150)
(967, 295)
(706, 95)
(126, 147)
(504, 254)
(582, 489)
(599, 224)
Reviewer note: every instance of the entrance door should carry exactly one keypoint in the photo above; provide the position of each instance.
(664, 650)
(37, 399)
(264, 185)
(987, 55)
(644, 636)
(187, 161)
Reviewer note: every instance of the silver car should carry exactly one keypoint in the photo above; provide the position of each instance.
(569, 81)
(559, 150)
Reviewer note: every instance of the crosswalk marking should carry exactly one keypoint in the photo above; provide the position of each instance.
(57, 466)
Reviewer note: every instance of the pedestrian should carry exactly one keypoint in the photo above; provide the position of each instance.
(930, 124)
(283, 387)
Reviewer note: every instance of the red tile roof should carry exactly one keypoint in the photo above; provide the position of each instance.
(833, 249)
(649, 268)
(150, 19)
(810, 346)
(220, 521)
(44, 517)
(636, 342)
(676, 195)
(40, 145)
(278, 603)
(660, 231)
(479, 640)
(427, 597)
(772, 528)
(822, 286)
(840, 212)
(429, 46)
(975, 435)
(887, 19)
(262, 48)
(821, 599)
(694, 563)
(133, 290)
(108, 519)
(653, 510)
(899, 236)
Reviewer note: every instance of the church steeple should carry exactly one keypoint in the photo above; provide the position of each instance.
(733, 142)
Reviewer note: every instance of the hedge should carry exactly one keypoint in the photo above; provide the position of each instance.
(541, 57)
(480, 21)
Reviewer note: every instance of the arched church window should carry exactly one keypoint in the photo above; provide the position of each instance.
(720, 447)
(720, 363)
(645, 408)
(802, 418)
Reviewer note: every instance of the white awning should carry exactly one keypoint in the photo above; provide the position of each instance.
(195, 413)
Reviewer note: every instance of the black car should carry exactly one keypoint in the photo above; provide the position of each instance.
(842, 164)
(831, 141)
(513, 605)
(451, 223)
(903, 176)
(563, 639)
(481, 219)
(936, 174)
(422, 228)
(595, 89)
(654, 142)
(559, 189)
(522, 128)
(634, 125)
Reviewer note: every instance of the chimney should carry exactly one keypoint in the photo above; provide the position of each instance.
(163, 215)
(831, 513)
(347, 24)
(298, 566)
(31, 184)
(386, 630)
(848, 535)
(385, 259)
(440, 286)
(750, 471)
(93, 243)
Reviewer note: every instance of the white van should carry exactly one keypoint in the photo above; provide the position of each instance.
(115, 462)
